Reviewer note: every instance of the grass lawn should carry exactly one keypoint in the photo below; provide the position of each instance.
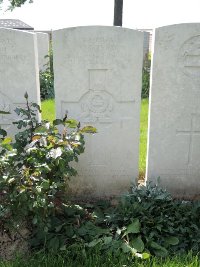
(48, 113)
(48, 110)
(97, 259)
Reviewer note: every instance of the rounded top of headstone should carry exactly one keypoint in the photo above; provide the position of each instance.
(99, 27)
(179, 25)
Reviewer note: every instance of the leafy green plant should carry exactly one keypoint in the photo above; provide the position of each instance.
(146, 76)
(35, 167)
(46, 84)
(165, 223)
(146, 222)
(47, 78)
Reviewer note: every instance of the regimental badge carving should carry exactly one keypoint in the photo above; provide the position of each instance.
(96, 106)
(97, 103)
(5, 105)
(189, 58)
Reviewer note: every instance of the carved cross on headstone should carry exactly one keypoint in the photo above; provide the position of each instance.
(191, 133)
(96, 104)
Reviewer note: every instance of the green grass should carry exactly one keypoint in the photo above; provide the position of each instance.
(48, 110)
(143, 134)
(99, 259)
(48, 113)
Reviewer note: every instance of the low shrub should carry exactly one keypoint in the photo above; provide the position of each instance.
(146, 222)
(35, 167)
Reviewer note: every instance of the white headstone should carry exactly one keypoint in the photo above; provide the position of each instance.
(174, 124)
(98, 75)
(18, 73)
(43, 50)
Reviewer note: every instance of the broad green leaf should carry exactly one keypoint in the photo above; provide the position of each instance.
(41, 129)
(88, 129)
(34, 220)
(63, 248)
(158, 250)
(7, 146)
(58, 228)
(69, 231)
(155, 245)
(146, 255)
(54, 243)
(7, 140)
(58, 122)
(22, 189)
(161, 252)
(38, 189)
(133, 228)
(71, 123)
(107, 239)
(37, 107)
(94, 243)
(126, 248)
(45, 184)
(138, 244)
(172, 240)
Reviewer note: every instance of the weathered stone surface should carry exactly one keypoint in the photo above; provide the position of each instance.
(18, 72)
(98, 74)
(174, 125)
(43, 50)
